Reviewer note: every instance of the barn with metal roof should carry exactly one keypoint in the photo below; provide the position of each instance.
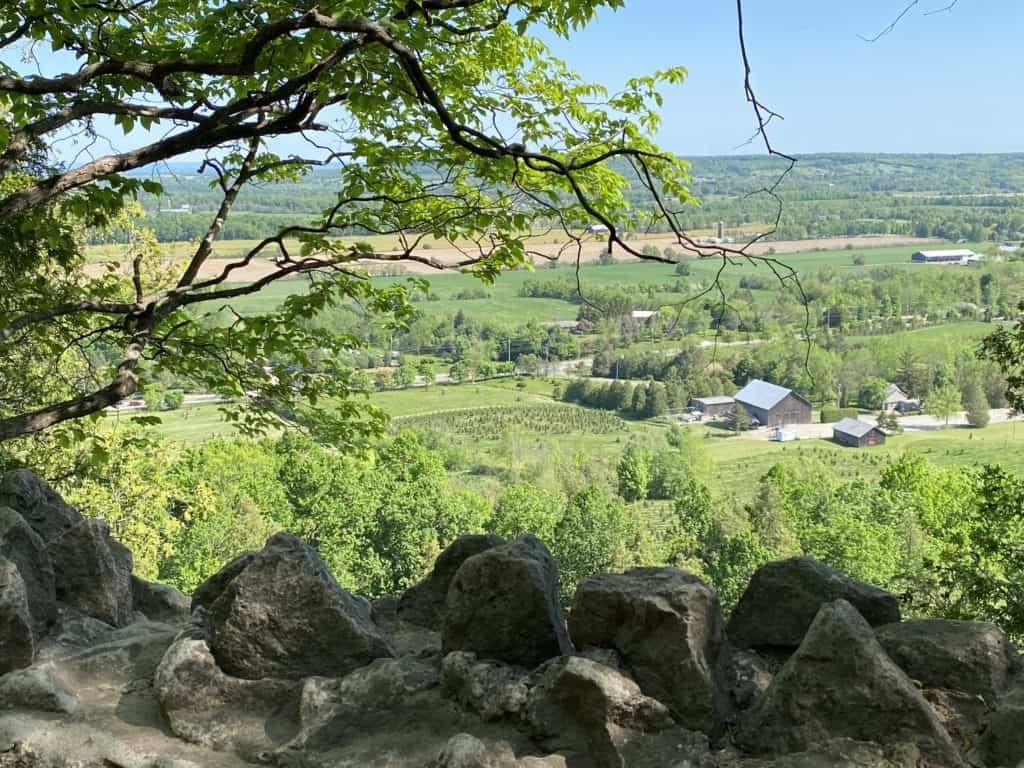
(773, 406)
(857, 434)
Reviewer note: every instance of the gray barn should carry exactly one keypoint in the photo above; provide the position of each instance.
(712, 407)
(774, 406)
(857, 434)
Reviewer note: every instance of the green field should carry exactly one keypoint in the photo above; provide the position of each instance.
(504, 302)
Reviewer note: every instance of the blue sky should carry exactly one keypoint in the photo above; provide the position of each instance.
(947, 82)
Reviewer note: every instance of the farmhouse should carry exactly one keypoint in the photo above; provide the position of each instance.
(895, 398)
(773, 406)
(712, 407)
(962, 256)
(857, 434)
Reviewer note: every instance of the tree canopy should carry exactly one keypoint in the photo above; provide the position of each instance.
(448, 120)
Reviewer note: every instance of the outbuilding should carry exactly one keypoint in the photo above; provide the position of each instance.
(894, 396)
(773, 406)
(712, 407)
(959, 256)
(857, 434)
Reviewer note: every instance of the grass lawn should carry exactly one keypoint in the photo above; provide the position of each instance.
(190, 424)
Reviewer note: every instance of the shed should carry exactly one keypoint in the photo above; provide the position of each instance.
(857, 434)
(959, 256)
(713, 407)
(774, 406)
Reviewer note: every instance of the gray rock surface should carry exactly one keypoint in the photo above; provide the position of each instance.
(503, 605)
(424, 604)
(1002, 743)
(93, 572)
(42, 507)
(39, 688)
(492, 690)
(841, 684)
(203, 705)
(666, 624)
(24, 547)
(207, 593)
(160, 602)
(464, 750)
(285, 616)
(783, 598)
(584, 706)
(968, 656)
(331, 709)
(16, 640)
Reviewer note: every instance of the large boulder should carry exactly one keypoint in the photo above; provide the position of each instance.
(38, 688)
(841, 684)
(93, 572)
(424, 603)
(1002, 743)
(333, 710)
(206, 594)
(783, 598)
(586, 707)
(667, 626)
(494, 691)
(464, 750)
(285, 616)
(203, 705)
(503, 605)
(42, 507)
(969, 656)
(24, 547)
(16, 643)
(159, 602)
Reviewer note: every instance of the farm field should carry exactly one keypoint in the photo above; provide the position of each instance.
(503, 301)
(507, 430)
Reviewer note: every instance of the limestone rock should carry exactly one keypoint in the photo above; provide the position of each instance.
(841, 684)
(23, 546)
(203, 705)
(42, 507)
(16, 643)
(667, 626)
(590, 708)
(466, 751)
(285, 616)
(783, 598)
(490, 689)
(330, 709)
(503, 605)
(207, 593)
(93, 572)
(968, 656)
(424, 603)
(38, 688)
(160, 602)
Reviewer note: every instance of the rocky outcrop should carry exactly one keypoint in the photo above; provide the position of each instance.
(586, 707)
(840, 683)
(490, 689)
(23, 546)
(159, 602)
(203, 705)
(424, 604)
(93, 572)
(666, 625)
(285, 616)
(42, 507)
(16, 642)
(967, 656)
(783, 598)
(503, 605)
(39, 688)
(207, 593)
(464, 750)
